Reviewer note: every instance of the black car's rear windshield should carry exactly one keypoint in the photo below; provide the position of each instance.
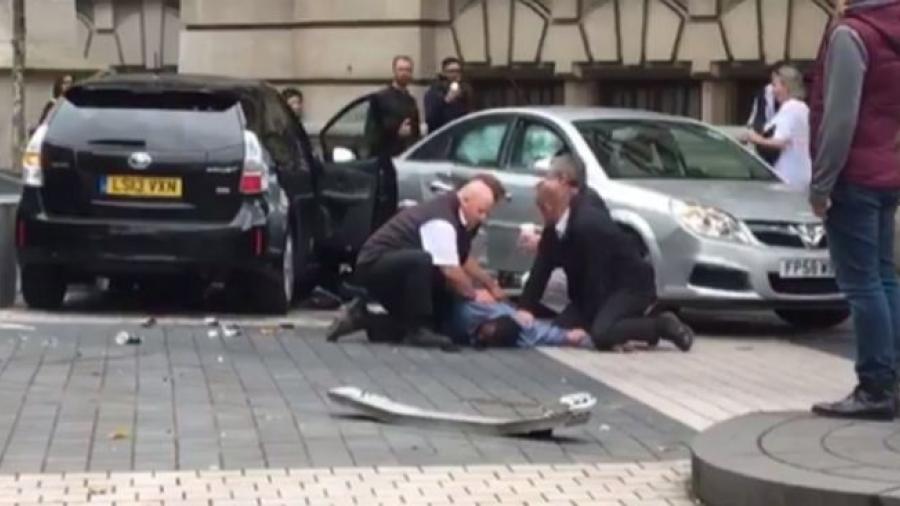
(645, 149)
(156, 121)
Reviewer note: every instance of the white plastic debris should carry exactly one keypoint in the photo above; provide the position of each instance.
(212, 334)
(220, 359)
(124, 338)
(211, 321)
(231, 330)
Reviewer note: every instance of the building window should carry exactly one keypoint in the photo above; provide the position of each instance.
(85, 8)
(510, 92)
(747, 91)
(681, 98)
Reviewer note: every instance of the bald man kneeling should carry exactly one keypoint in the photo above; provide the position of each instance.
(418, 263)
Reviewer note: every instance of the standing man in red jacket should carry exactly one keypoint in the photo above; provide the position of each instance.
(855, 116)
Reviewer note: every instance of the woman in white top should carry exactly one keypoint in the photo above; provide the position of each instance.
(789, 129)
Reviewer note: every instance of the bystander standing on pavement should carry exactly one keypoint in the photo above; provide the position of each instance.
(392, 125)
(789, 129)
(60, 86)
(418, 263)
(855, 186)
(294, 99)
(449, 97)
(764, 108)
(611, 288)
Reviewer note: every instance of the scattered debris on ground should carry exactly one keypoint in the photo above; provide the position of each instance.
(231, 330)
(124, 338)
(211, 321)
(149, 323)
(118, 435)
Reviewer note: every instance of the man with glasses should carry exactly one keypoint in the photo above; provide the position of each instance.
(449, 97)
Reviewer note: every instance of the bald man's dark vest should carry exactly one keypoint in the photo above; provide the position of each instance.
(402, 231)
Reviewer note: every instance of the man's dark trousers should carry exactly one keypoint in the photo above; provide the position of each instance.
(860, 227)
(407, 285)
(619, 320)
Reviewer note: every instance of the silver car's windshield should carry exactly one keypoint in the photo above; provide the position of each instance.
(640, 149)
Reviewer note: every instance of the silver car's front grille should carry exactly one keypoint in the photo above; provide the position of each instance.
(789, 235)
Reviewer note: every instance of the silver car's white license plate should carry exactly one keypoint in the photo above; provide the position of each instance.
(806, 268)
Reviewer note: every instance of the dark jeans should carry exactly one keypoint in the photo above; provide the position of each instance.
(860, 227)
(408, 286)
(619, 320)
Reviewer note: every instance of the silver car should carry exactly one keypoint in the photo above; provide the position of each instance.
(718, 225)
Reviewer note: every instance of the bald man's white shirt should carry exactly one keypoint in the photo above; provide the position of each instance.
(439, 240)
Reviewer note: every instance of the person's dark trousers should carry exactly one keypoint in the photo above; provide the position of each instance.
(860, 227)
(403, 282)
(620, 320)
(387, 198)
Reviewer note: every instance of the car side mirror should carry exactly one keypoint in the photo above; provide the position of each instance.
(342, 155)
(542, 165)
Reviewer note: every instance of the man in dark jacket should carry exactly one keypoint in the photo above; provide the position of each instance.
(418, 262)
(611, 288)
(393, 121)
(449, 97)
(392, 125)
(855, 118)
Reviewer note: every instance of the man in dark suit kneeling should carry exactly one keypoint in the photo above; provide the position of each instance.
(611, 287)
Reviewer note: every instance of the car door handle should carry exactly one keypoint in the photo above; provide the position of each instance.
(440, 187)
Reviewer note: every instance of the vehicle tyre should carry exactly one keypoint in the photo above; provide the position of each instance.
(43, 287)
(813, 319)
(275, 291)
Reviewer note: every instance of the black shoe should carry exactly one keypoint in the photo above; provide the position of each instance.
(351, 319)
(862, 405)
(674, 330)
(425, 338)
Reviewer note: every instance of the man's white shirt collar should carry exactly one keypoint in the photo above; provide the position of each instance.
(562, 224)
(462, 219)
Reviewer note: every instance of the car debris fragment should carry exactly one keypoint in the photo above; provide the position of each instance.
(125, 338)
(570, 410)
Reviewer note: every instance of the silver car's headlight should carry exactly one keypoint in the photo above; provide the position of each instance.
(710, 222)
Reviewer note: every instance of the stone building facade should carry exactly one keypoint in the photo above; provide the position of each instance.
(702, 58)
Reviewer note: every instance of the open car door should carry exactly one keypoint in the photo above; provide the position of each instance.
(349, 183)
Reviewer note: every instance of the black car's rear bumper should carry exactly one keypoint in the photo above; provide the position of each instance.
(86, 246)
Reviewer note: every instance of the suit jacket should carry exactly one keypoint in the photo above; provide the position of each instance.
(597, 256)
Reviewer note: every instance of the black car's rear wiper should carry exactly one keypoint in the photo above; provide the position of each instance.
(119, 142)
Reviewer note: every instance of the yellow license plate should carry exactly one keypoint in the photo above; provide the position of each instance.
(140, 186)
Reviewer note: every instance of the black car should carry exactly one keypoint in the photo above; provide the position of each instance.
(142, 176)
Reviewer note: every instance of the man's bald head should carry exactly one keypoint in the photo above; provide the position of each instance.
(478, 197)
(568, 169)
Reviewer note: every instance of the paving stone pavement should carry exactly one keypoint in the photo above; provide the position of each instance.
(187, 418)
(75, 401)
(722, 377)
(627, 484)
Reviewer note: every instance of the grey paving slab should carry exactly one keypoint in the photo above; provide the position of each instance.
(796, 459)
(75, 401)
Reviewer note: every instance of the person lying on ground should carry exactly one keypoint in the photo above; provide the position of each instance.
(494, 324)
